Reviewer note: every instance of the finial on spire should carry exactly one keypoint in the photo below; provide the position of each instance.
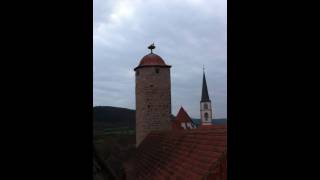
(203, 68)
(151, 47)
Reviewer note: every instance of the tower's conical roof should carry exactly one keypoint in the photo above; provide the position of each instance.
(205, 94)
(152, 59)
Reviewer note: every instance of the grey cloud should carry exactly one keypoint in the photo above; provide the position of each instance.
(187, 35)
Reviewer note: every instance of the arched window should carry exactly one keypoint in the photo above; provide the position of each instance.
(205, 106)
(206, 115)
(157, 70)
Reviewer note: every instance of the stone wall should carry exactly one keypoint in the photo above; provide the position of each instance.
(153, 100)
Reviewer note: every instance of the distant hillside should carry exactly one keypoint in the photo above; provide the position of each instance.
(214, 121)
(116, 117)
(108, 116)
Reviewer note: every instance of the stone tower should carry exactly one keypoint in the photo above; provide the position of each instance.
(205, 104)
(153, 95)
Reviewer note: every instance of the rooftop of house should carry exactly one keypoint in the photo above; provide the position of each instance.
(193, 154)
(182, 117)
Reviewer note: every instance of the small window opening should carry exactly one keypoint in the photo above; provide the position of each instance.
(206, 116)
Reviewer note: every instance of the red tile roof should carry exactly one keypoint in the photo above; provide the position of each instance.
(194, 154)
(151, 60)
(182, 117)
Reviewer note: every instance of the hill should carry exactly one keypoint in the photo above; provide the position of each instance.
(116, 117)
(113, 117)
(214, 121)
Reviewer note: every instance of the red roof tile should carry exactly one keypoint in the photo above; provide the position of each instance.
(194, 154)
(151, 60)
(182, 117)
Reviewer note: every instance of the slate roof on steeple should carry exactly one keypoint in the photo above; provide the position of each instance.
(205, 94)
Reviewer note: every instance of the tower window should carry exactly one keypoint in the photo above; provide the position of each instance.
(205, 106)
(206, 115)
(157, 70)
(137, 73)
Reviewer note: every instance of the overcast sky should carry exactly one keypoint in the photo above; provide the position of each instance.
(187, 33)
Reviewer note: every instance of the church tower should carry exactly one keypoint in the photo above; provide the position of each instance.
(205, 104)
(153, 95)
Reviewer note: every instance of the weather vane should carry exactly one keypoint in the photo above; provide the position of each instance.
(151, 47)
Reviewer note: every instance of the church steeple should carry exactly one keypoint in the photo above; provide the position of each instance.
(205, 94)
(205, 104)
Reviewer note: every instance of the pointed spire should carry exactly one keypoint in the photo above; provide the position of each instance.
(205, 94)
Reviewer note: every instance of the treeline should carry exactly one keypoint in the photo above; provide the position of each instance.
(112, 117)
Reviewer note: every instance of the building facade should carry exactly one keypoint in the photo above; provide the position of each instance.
(206, 114)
